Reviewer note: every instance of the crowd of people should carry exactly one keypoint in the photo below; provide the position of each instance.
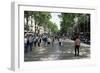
(31, 41)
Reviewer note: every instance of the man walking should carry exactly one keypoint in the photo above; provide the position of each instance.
(77, 46)
(30, 42)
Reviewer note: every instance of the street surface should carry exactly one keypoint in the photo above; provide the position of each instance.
(56, 52)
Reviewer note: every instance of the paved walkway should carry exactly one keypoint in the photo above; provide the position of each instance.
(56, 52)
(82, 44)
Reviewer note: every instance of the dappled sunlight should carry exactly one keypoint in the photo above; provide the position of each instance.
(57, 52)
(56, 35)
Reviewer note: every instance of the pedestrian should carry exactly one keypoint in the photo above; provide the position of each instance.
(53, 39)
(45, 40)
(58, 38)
(77, 45)
(39, 41)
(60, 42)
(35, 41)
(49, 41)
(30, 42)
(25, 44)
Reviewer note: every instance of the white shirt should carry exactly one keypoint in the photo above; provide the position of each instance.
(25, 40)
(60, 40)
(30, 39)
(49, 40)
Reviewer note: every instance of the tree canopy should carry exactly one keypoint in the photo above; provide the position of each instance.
(68, 21)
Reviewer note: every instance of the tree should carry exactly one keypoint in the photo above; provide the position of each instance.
(53, 27)
(67, 20)
(41, 19)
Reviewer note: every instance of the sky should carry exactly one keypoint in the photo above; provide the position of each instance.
(56, 19)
